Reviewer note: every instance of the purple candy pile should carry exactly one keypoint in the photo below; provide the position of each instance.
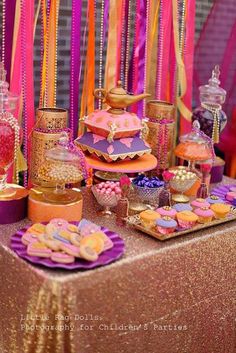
(144, 181)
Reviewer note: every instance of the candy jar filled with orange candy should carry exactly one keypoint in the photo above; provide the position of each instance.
(195, 147)
(9, 133)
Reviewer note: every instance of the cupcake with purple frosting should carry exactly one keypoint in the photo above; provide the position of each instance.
(166, 225)
(180, 207)
(212, 199)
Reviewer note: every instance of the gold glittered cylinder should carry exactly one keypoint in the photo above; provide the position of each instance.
(161, 121)
(41, 142)
(159, 110)
(51, 118)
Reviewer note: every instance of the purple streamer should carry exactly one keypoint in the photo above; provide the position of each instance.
(105, 19)
(10, 17)
(141, 50)
(75, 65)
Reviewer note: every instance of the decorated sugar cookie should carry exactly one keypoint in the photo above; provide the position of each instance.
(38, 249)
(88, 253)
(62, 258)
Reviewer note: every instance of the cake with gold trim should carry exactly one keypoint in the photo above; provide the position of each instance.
(114, 134)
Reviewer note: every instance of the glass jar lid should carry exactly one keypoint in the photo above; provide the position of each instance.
(62, 152)
(212, 92)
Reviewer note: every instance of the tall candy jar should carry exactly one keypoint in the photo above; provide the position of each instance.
(209, 114)
(9, 133)
(13, 198)
(161, 125)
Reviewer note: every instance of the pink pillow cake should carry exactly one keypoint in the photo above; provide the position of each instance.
(166, 211)
(198, 203)
(204, 214)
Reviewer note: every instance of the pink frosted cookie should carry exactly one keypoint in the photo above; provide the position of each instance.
(230, 196)
(38, 249)
(166, 211)
(70, 249)
(204, 214)
(60, 223)
(28, 238)
(232, 188)
(198, 203)
(62, 258)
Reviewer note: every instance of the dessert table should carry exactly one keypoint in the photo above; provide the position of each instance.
(176, 296)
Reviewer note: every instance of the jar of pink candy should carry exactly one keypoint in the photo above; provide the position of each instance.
(107, 195)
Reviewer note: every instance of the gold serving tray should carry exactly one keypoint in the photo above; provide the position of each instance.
(134, 221)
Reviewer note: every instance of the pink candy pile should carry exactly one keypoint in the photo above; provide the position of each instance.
(109, 188)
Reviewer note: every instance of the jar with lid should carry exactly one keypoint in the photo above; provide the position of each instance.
(195, 147)
(9, 134)
(65, 164)
(210, 115)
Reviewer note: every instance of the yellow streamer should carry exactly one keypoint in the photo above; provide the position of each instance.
(111, 59)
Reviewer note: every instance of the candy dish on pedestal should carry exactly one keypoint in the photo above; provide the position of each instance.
(182, 181)
(107, 195)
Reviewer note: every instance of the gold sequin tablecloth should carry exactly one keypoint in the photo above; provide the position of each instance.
(176, 296)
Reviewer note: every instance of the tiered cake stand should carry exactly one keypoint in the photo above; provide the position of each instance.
(142, 164)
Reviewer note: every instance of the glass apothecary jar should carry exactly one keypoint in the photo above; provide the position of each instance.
(63, 166)
(210, 115)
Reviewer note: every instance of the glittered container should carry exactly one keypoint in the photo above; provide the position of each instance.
(42, 140)
(39, 210)
(159, 110)
(14, 209)
(51, 118)
(161, 125)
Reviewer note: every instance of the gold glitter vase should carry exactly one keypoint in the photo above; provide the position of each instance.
(51, 118)
(161, 135)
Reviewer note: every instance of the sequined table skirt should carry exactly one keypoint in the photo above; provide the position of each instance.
(161, 297)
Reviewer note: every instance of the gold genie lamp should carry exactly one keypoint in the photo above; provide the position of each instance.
(117, 98)
(115, 122)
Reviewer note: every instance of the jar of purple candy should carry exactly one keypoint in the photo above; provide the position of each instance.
(209, 114)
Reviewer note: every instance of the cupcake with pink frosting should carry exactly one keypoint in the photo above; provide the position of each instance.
(166, 211)
(199, 203)
(204, 214)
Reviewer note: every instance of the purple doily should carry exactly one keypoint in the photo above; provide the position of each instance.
(104, 259)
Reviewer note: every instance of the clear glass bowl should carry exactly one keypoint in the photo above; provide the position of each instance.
(106, 201)
(148, 195)
(182, 185)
